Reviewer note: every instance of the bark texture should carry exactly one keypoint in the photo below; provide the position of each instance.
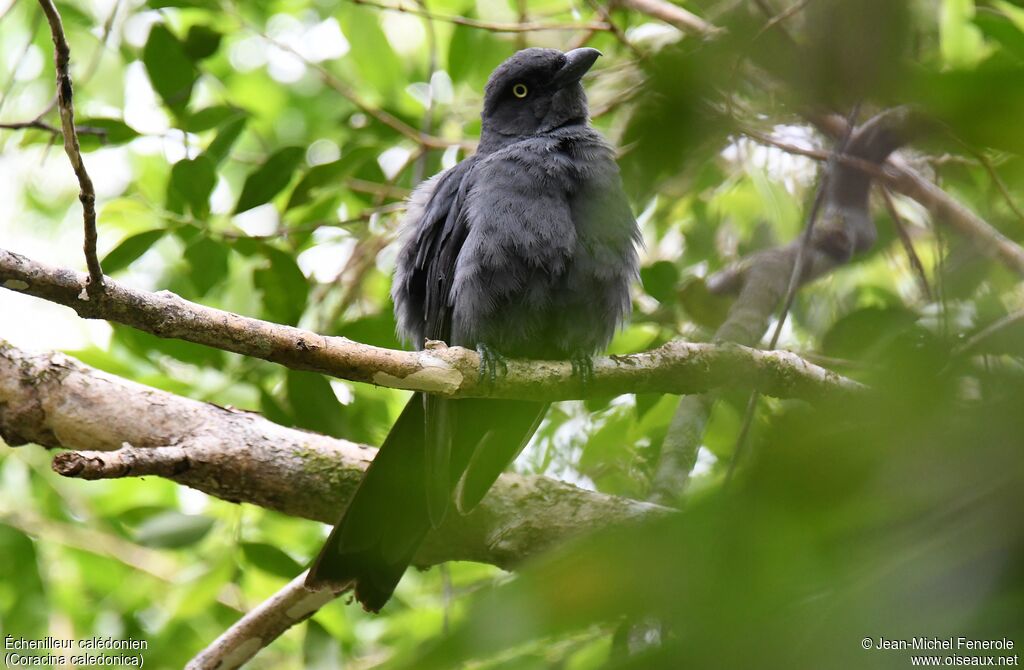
(676, 367)
(123, 429)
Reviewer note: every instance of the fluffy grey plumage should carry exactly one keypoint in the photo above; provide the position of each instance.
(542, 241)
(526, 249)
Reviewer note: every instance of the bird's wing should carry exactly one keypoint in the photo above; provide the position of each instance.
(422, 296)
(431, 239)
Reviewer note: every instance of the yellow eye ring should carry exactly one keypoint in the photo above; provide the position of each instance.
(520, 90)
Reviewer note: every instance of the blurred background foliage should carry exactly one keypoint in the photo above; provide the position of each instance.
(254, 157)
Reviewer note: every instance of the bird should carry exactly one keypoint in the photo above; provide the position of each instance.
(525, 249)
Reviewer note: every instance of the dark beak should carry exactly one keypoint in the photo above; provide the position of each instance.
(577, 62)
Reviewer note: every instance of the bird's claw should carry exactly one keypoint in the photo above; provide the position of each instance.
(490, 363)
(582, 368)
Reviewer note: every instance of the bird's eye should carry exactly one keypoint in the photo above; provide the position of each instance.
(520, 90)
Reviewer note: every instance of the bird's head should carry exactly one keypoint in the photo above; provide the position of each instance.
(535, 91)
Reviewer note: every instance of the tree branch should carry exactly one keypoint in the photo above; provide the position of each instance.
(123, 429)
(674, 15)
(65, 103)
(491, 26)
(126, 429)
(894, 174)
(900, 177)
(38, 124)
(676, 367)
(258, 628)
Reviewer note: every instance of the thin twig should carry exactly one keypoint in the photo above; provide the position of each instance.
(855, 162)
(908, 244)
(362, 217)
(998, 181)
(774, 21)
(65, 102)
(784, 15)
(427, 125)
(615, 30)
(108, 29)
(674, 15)
(377, 189)
(350, 94)
(492, 26)
(988, 332)
(38, 124)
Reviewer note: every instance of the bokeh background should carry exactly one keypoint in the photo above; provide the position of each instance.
(254, 157)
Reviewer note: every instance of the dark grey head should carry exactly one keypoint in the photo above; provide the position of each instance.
(536, 90)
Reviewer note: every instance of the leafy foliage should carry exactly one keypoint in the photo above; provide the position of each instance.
(266, 148)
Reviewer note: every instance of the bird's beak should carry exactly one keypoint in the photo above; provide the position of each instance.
(577, 62)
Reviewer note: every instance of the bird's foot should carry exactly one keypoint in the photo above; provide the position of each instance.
(491, 362)
(582, 368)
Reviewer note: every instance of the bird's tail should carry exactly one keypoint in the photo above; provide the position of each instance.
(387, 518)
(385, 521)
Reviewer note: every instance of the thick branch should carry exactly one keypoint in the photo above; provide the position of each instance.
(125, 429)
(65, 103)
(904, 179)
(677, 367)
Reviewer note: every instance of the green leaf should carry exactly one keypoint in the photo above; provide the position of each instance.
(191, 183)
(270, 178)
(208, 263)
(704, 307)
(329, 174)
(659, 280)
(270, 559)
(868, 333)
(377, 62)
(201, 42)
(320, 651)
(226, 136)
(200, 4)
(960, 42)
(198, 597)
(376, 329)
(313, 403)
(25, 602)
(210, 117)
(271, 409)
(72, 15)
(284, 287)
(1002, 30)
(115, 131)
(130, 249)
(170, 70)
(473, 54)
(173, 530)
(148, 347)
(962, 99)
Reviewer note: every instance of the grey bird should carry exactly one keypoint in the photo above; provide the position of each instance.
(525, 249)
